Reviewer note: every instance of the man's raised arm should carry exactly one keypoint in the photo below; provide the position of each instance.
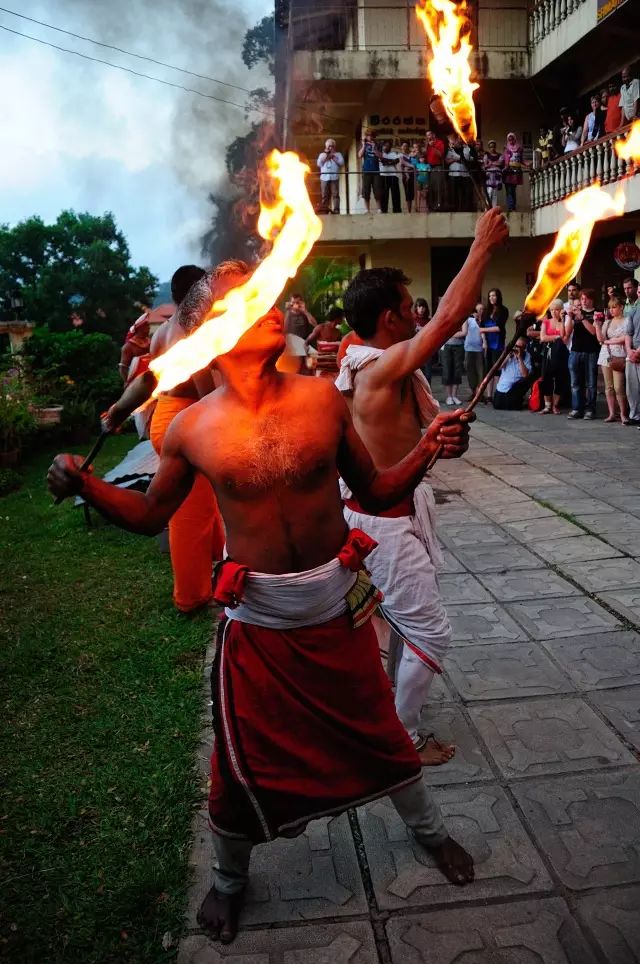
(145, 513)
(457, 303)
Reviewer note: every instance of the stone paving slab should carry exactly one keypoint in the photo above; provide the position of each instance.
(608, 522)
(344, 943)
(460, 515)
(628, 503)
(579, 549)
(626, 602)
(598, 661)
(517, 512)
(587, 826)
(575, 616)
(496, 558)
(450, 726)
(622, 709)
(455, 536)
(537, 530)
(527, 584)
(603, 574)
(621, 539)
(504, 670)
(494, 495)
(450, 564)
(482, 820)
(482, 621)
(583, 506)
(315, 875)
(613, 917)
(550, 735)
(462, 588)
(541, 931)
(565, 498)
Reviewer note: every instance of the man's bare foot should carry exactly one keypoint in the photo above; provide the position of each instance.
(218, 915)
(454, 862)
(432, 753)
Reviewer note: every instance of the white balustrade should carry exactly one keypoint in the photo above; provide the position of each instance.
(547, 15)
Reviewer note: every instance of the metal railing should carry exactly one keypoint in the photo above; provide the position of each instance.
(547, 15)
(596, 161)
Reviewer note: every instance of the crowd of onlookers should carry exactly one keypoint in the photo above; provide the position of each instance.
(555, 362)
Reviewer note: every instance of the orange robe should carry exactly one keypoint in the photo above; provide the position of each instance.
(196, 533)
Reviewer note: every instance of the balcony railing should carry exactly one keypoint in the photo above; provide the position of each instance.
(547, 15)
(596, 161)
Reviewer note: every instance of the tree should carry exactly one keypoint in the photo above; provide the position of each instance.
(80, 265)
(322, 281)
(259, 44)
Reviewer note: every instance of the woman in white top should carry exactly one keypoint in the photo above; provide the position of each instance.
(611, 336)
(571, 134)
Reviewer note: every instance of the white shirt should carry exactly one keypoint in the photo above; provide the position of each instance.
(390, 170)
(629, 94)
(330, 167)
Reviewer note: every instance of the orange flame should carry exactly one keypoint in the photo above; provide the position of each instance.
(291, 223)
(629, 148)
(447, 26)
(560, 264)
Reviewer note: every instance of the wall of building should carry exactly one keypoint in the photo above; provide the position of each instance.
(565, 34)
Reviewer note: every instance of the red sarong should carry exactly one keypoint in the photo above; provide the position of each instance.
(305, 726)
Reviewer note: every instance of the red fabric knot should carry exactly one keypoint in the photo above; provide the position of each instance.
(356, 548)
(229, 580)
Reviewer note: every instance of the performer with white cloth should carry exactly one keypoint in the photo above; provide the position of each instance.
(391, 404)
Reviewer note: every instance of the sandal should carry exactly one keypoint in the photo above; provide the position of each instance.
(546, 410)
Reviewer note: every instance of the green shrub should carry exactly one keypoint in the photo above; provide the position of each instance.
(72, 365)
(9, 481)
(17, 421)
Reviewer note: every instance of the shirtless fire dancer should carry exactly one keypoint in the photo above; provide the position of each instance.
(304, 718)
(391, 402)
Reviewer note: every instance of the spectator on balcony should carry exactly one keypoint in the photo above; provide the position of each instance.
(370, 156)
(558, 145)
(613, 116)
(493, 164)
(423, 176)
(571, 134)
(390, 177)
(435, 152)
(580, 330)
(632, 301)
(513, 164)
(494, 325)
(555, 358)
(330, 161)
(408, 172)
(458, 159)
(545, 151)
(629, 97)
(593, 127)
(611, 335)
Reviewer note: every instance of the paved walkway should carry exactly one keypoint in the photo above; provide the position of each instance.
(541, 695)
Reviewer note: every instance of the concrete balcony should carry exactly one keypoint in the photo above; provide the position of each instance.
(555, 26)
(345, 228)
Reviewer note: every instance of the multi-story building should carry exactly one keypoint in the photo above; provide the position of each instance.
(343, 66)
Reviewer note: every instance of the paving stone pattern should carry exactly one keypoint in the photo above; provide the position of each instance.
(541, 696)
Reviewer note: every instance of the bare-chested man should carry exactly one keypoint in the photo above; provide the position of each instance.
(304, 717)
(391, 403)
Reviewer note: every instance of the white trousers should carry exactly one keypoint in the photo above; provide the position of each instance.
(414, 804)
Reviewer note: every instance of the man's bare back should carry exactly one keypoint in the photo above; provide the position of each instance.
(385, 416)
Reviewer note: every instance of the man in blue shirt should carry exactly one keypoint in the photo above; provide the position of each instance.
(370, 157)
(514, 378)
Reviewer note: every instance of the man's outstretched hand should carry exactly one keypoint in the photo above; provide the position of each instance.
(451, 431)
(492, 229)
(64, 477)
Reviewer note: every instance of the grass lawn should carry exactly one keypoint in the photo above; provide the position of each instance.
(101, 686)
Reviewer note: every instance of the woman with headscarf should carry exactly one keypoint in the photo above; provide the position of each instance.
(513, 163)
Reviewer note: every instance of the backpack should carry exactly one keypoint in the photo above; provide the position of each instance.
(536, 400)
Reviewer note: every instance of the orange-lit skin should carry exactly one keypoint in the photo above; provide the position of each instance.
(629, 148)
(293, 226)
(447, 27)
(561, 264)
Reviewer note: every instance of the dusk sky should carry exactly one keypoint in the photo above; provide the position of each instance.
(82, 135)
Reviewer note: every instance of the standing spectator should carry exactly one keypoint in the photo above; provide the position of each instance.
(474, 348)
(613, 116)
(545, 146)
(593, 126)
(390, 176)
(370, 156)
(534, 346)
(408, 174)
(571, 134)
(422, 317)
(513, 163)
(457, 160)
(493, 164)
(423, 175)
(630, 286)
(583, 357)
(629, 96)
(632, 346)
(326, 338)
(555, 358)
(297, 320)
(611, 335)
(435, 152)
(515, 378)
(452, 357)
(330, 162)
(494, 325)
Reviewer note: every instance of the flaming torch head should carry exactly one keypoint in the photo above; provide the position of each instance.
(447, 26)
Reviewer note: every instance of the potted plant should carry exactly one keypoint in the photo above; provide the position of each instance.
(17, 421)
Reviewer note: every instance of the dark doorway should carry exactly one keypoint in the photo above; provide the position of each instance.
(445, 264)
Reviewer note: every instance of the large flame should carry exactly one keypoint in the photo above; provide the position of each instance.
(629, 148)
(291, 223)
(560, 264)
(447, 26)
